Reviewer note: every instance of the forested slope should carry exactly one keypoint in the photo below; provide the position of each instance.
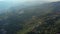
(37, 19)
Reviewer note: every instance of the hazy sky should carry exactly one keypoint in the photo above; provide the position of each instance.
(29, 0)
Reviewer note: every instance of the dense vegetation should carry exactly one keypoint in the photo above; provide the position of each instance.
(37, 19)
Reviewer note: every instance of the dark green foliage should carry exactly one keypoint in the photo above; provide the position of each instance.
(48, 27)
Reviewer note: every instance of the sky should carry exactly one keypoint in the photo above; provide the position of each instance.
(22, 1)
(28, 0)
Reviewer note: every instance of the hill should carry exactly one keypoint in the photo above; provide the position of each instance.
(35, 19)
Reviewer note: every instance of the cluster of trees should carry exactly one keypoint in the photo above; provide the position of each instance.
(49, 26)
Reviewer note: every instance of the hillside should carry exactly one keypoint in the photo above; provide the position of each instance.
(36, 19)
